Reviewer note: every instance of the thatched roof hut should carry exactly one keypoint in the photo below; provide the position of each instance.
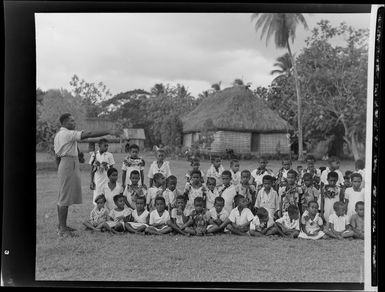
(241, 121)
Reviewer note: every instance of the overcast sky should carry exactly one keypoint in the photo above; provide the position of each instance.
(127, 51)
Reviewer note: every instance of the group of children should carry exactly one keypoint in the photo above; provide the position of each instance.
(309, 203)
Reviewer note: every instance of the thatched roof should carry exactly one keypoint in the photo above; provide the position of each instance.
(234, 109)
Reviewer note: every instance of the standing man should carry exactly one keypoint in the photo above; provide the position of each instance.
(65, 145)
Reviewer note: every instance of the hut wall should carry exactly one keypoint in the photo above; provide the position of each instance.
(238, 141)
(187, 140)
(272, 143)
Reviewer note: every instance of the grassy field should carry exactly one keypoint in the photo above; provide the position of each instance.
(106, 257)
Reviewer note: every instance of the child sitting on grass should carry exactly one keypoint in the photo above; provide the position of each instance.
(139, 217)
(246, 189)
(330, 194)
(130, 163)
(195, 166)
(289, 194)
(261, 224)
(159, 218)
(179, 216)
(198, 219)
(171, 192)
(98, 215)
(260, 172)
(309, 193)
(118, 216)
(212, 192)
(357, 221)
(235, 173)
(159, 166)
(227, 190)
(338, 226)
(133, 190)
(288, 224)
(155, 191)
(218, 216)
(354, 194)
(240, 217)
(194, 190)
(311, 223)
(216, 169)
(268, 198)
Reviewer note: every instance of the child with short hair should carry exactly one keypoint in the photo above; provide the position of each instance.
(357, 221)
(159, 218)
(338, 226)
(309, 192)
(179, 216)
(212, 192)
(267, 197)
(330, 194)
(195, 163)
(194, 189)
(100, 162)
(240, 217)
(360, 168)
(246, 189)
(227, 190)
(261, 224)
(139, 218)
(118, 216)
(347, 180)
(282, 173)
(132, 162)
(260, 172)
(288, 224)
(198, 219)
(334, 165)
(310, 168)
(133, 190)
(235, 173)
(159, 166)
(112, 188)
(171, 192)
(289, 194)
(216, 169)
(155, 191)
(218, 216)
(354, 194)
(311, 223)
(98, 215)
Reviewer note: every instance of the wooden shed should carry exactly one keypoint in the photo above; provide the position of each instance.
(240, 121)
(135, 136)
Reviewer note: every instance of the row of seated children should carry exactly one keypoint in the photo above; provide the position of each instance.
(240, 221)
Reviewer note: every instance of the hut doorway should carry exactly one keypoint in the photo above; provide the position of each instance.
(255, 142)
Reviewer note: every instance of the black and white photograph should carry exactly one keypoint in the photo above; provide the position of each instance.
(204, 147)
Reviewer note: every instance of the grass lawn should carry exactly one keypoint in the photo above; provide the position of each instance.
(106, 257)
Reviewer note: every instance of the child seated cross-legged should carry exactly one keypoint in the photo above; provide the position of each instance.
(199, 218)
(139, 218)
(98, 215)
(338, 225)
(159, 218)
(311, 223)
(118, 216)
(288, 224)
(357, 221)
(240, 217)
(262, 223)
(218, 216)
(179, 216)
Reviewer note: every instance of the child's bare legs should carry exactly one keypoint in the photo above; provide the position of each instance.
(140, 229)
(331, 234)
(190, 230)
(214, 229)
(256, 233)
(237, 230)
(358, 235)
(272, 231)
(347, 234)
(166, 230)
(176, 228)
(154, 231)
(88, 225)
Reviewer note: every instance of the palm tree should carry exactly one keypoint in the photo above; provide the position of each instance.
(158, 89)
(284, 64)
(283, 26)
(216, 86)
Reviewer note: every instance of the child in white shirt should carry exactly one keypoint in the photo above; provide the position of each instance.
(98, 215)
(179, 216)
(311, 223)
(216, 170)
(212, 192)
(194, 189)
(338, 226)
(288, 224)
(354, 194)
(133, 190)
(159, 218)
(155, 191)
(262, 223)
(159, 166)
(267, 197)
(218, 216)
(240, 217)
(133, 162)
(171, 192)
(139, 218)
(195, 163)
(235, 173)
(260, 172)
(118, 216)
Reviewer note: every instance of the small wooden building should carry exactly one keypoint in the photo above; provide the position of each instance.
(135, 136)
(240, 121)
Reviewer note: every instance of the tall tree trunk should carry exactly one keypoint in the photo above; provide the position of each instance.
(299, 114)
(356, 155)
